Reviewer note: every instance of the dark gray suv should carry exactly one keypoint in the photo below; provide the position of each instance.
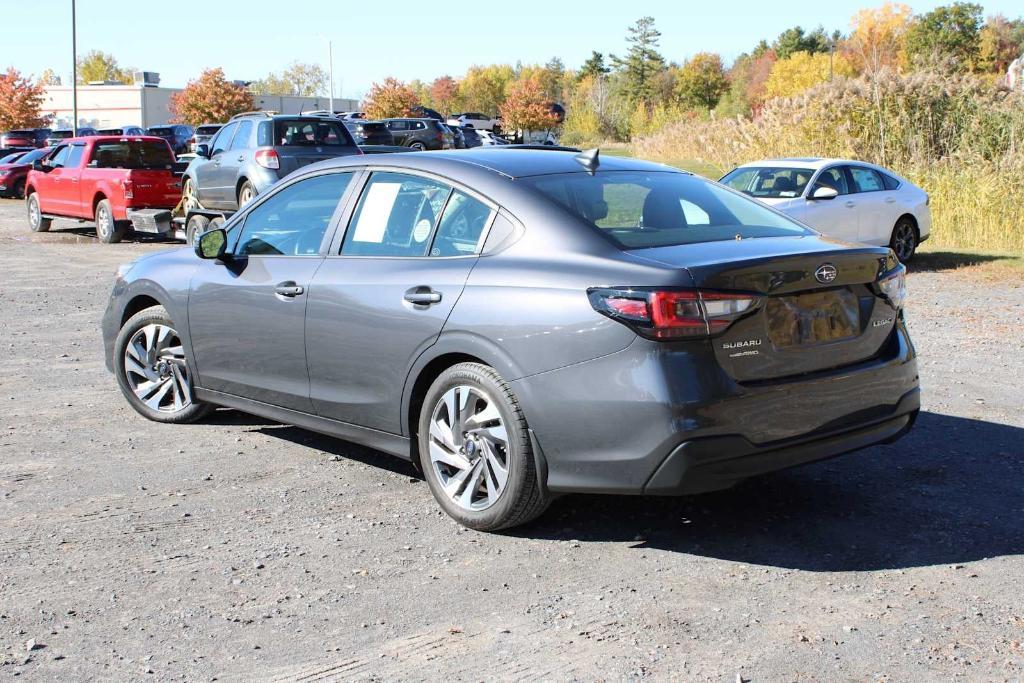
(523, 323)
(420, 134)
(253, 151)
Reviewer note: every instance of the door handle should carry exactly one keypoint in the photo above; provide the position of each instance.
(288, 289)
(74, 180)
(890, 200)
(241, 157)
(422, 296)
(851, 204)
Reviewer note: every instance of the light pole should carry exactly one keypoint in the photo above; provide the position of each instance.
(74, 74)
(330, 71)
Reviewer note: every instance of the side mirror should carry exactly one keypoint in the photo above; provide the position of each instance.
(823, 192)
(203, 150)
(211, 244)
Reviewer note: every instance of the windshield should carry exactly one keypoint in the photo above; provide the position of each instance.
(769, 182)
(311, 133)
(133, 154)
(660, 209)
(29, 157)
(62, 134)
(160, 132)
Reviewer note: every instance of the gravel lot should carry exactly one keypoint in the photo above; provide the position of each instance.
(241, 549)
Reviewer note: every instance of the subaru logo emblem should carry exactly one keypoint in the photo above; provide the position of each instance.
(825, 273)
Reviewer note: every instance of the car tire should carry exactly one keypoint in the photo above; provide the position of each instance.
(904, 240)
(156, 383)
(488, 479)
(196, 226)
(19, 189)
(108, 230)
(36, 221)
(216, 222)
(418, 146)
(246, 193)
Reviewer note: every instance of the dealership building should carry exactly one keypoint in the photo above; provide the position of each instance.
(144, 103)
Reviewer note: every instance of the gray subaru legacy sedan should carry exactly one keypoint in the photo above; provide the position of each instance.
(523, 323)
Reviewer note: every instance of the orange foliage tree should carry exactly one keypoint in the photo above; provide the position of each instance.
(390, 99)
(210, 98)
(443, 92)
(21, 102)
(526, 107)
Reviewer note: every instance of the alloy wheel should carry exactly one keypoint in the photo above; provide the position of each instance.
(104, 224)
(469, 448)
(188, 195)
(34, 215)
(246, 195)
(904, 241)
(154, 365)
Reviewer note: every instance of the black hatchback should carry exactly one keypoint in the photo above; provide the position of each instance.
(177, 135)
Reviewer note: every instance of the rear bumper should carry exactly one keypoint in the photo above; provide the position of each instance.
(716, 463)
(666, 419)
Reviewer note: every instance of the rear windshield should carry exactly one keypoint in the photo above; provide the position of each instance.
(134, 154)
(110, 131)
(62, 134)
(769, 182)
(311, 134)
(160, 131)
(21, 133)
(659, 209)
(207, 130)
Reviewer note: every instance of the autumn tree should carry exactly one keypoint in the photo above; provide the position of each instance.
(443, 92)
(877, 36)
(49, 77)
(483, 88)
(1001, 42)
(701, 81)
(100, 66)
(211, 97)
(527, 107)
(390, 99)
(299, 79)
(948, 37)
(802, 71)
(21, 102)
(642, 61)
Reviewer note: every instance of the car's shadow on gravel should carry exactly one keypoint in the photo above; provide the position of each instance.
(951, 491)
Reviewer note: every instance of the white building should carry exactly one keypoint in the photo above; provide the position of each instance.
(109, 106)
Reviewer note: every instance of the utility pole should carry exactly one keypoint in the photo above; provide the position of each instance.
(330, 70)
(74, 73)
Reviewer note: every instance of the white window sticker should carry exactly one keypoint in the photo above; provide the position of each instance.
(376, 210)
(422, 231)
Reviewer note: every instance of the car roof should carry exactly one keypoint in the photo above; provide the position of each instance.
(511, 162)
(805, 162)
(113, 138)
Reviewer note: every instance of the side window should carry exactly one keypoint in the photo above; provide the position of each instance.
(889, 182)
(833, 178)
(419, 125)
(395, 216)
(265, 134)
(75, 157)
(223, 139)
(292, 222)
(461, 226)
(397, 125)
(59, 158)
(242, 135)
(865, 179)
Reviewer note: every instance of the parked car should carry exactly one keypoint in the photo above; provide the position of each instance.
(177, 135)
(471, 136)
(419, 111)
(474, 119)
(525, 323)
(850, 200)
(253, 151)
(124, 131)
(458, 137)
(203, 133)
(350, 115)
(366, 132)
(58, 135)
(489, 139)
(25, 137)
(14, 170)
(420, 134)
(103, 178)
(7, 152)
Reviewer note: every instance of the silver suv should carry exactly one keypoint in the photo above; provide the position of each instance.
(253, 151)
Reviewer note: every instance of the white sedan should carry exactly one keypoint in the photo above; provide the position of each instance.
(850, 200)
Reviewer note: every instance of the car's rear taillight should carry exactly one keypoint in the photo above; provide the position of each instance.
(128, 188)
(672, 313)
(893, 286)
(267, 158)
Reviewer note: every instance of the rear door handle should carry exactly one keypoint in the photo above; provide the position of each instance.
(241, 157)
(851, 204)
(288, 289)
(890, 200)
(422, 296)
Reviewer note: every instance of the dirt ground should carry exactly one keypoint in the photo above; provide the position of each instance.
(240, 549)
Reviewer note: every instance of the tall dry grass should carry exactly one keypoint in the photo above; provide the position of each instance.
(958, 137)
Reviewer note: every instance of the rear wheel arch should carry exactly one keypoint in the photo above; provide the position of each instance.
(418, 387)
(913, 219)
(97, 198)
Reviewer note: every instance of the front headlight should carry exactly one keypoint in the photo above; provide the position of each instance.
(894, 287)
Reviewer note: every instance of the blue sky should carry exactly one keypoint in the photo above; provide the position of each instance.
(372, 40)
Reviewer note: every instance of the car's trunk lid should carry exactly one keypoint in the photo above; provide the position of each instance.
(816, 308)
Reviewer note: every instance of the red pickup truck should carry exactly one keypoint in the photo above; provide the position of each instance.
(102, 178)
